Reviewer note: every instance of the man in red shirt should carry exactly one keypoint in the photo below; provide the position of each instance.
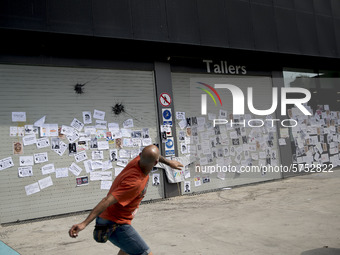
(122, 202)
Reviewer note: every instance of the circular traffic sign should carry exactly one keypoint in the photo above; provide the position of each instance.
(165, 99)
(169, 143)
(167, 114)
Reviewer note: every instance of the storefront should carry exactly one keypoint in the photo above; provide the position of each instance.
(101, 127)
(314, 141)
(112, 76)
(231, 153)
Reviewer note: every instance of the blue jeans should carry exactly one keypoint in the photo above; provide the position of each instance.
(126, 238)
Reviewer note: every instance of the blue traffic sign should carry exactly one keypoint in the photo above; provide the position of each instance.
(167, 114)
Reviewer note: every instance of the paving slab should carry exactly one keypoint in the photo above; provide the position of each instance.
(294, 216)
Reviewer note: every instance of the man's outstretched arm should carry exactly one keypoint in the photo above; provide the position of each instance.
(100, 207)
(172, 163)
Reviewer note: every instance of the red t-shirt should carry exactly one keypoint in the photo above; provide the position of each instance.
(129, 189)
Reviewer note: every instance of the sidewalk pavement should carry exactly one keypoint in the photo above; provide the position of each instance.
(294, 216)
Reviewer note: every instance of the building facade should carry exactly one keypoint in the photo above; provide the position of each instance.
(133, 67)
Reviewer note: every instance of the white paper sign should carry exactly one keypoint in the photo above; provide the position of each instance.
(187, 173)
(29, 139)
(40, 122)
(63, 148)
(101, 124)
(72, 138)
(103, 145)
(48, 169)
(113, 155)
(113, 126)
(30, 130)
(87, 119)
(324, 158)
(97, 155)
(49, 130)
(90, 130)
(101, 176)
(134, 153)
(6, 163)
(88, 165)
(84, 137)
(81, 156)
(26, 161)
(116, 134)
(46, 182)
(107, 165)
(13, 131)
(125, 132)
(32, 188)
(180, 115)
(76, 124)
(99, 115)
(75, 169)
(40, 157)
(21, 131)
(124, 153)
(146, 141)
(182, 124)
(18, 116)
(155, 179)
(67, 130)
(61, 172)
(122, 162)
(128, 123)
(187, 186)
(25, 171)
(95, 164)
(43, 142)
(127, 142)
(197, 181)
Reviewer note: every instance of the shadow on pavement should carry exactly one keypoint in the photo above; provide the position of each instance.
(322, 251)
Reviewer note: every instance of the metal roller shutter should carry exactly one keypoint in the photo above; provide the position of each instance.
(262, 100)
(49, 91)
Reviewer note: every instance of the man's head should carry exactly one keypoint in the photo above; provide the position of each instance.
(149, 158)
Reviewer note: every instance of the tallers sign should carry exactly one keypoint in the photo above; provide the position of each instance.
(222, 67)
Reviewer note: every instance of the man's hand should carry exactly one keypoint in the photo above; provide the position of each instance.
(175, 164)
(172, 163)
(100, 207)
(75, 229)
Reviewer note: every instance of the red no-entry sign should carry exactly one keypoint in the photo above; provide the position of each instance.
(165, 99)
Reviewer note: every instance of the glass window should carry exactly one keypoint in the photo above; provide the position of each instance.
(330, 79)
(303, 78)
(324, 86)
